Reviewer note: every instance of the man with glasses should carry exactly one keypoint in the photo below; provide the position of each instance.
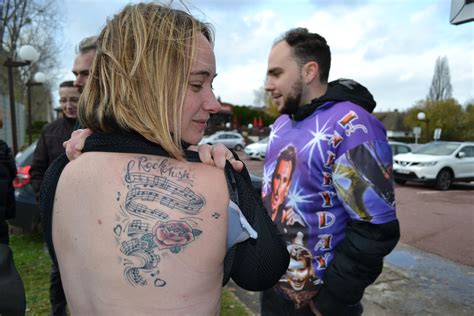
(48, 148)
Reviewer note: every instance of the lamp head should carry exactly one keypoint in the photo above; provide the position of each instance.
(421, 116)
(39, 77)
(28, 53)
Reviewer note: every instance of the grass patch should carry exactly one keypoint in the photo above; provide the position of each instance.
(230, 306)
(33, 263)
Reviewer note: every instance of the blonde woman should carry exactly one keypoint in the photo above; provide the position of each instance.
(135, 227)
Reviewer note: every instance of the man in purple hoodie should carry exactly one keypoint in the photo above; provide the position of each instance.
(341, 186)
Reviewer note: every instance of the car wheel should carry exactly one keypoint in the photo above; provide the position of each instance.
(238, 147)
(400, 181)
(444, 180)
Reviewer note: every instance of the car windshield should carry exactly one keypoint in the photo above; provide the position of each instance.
(437, 149)
(264, 140)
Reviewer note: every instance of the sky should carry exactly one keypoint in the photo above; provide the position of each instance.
(388, 46)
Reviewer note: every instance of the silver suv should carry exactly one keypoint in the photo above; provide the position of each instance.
(229, 139)
(439, 163)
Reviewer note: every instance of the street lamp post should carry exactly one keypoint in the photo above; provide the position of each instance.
(422, 117)
(38, 79)
(28, 54)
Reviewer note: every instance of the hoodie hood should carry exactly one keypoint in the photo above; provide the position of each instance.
(339, 90)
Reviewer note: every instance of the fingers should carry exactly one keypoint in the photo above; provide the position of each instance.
(216, 155)
(221, 150)
(75, 144)
(82, 139)
(220, 154)
(237, 165)
(193, 148)
(205, 154)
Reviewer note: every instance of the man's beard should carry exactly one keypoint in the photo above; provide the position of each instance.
(292, 102)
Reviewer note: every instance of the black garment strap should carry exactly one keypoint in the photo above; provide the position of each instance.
(128, 142)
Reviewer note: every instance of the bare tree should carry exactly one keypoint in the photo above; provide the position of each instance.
(33, 22)
(441, 88)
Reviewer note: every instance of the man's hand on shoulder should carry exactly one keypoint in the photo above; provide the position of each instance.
(75, 144)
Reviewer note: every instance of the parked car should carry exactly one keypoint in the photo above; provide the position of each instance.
(399, 148)
(27, 209)
(257, 150)
(231, 140)
(439, 163)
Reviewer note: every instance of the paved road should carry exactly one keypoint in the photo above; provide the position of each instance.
(438, 222)
(431, 270)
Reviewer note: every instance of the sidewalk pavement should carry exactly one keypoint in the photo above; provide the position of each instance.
(413, 282)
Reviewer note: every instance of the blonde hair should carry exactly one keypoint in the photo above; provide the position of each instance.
(139, 77)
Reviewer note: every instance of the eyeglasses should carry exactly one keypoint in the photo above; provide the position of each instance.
(72, 100)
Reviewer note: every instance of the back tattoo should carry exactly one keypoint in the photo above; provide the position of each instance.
(144, 229)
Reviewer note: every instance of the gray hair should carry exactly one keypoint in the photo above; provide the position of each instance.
(87, 44)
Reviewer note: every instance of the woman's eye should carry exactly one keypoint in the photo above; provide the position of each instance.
(196, 87)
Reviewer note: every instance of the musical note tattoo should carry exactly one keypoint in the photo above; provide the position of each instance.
(146, 230)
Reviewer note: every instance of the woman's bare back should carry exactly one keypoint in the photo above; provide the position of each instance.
(140, 234)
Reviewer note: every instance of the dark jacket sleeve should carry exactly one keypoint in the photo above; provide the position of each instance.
(357, 263)
(7, 175)
(259, 263)
(47, 194)
(39, 164)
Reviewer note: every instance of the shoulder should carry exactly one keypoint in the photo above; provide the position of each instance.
(53, 125)
(352, 126)
(350, 110)
(281, 120)
(280, 124)
(98, 163)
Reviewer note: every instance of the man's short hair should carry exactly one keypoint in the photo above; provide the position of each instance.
(67, 84)
(87, 44)
(308, 47)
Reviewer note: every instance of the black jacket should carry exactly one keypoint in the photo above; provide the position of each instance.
(358, 260)
(49, 147)
(7, 175)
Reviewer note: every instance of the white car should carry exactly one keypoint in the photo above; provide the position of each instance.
(399, 148)
(231, 140)
(439, 163)
(257, 150)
